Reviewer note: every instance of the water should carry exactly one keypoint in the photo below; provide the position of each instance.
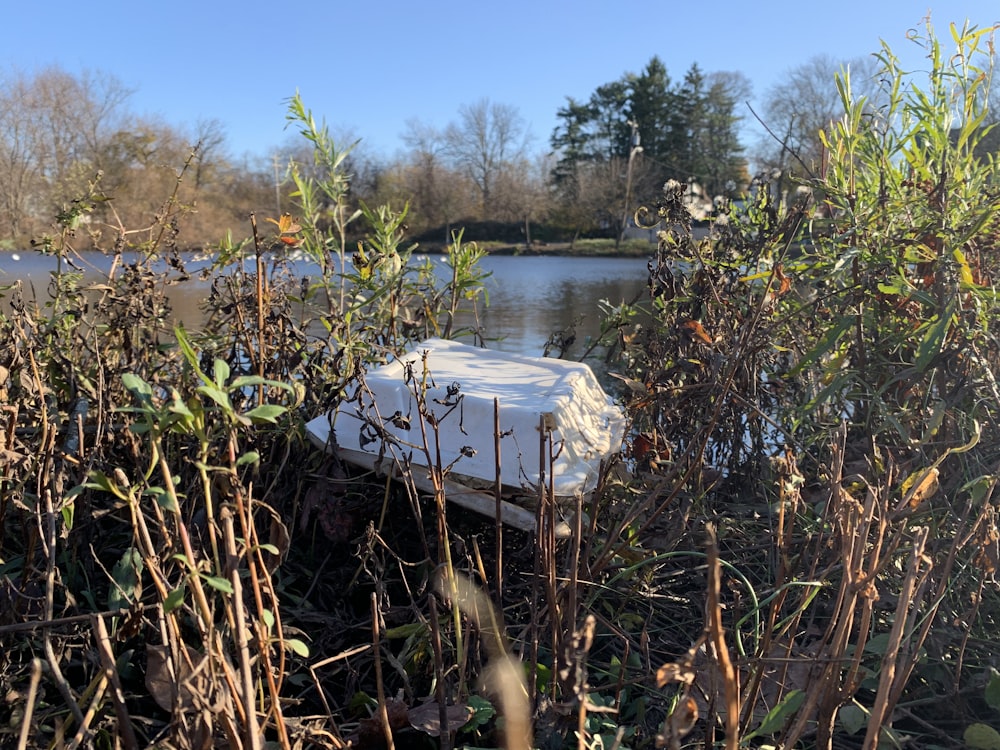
(530, 297)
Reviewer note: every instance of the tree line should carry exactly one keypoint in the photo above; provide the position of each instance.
(64, 137)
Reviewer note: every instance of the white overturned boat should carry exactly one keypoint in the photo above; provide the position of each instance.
(461, 387)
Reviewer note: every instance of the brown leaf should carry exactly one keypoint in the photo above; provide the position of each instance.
(784, 282)
(399, 715)
(697, 331)
(286, 225)
(427, 718)
(191, 682)
(160, 682)
(676, 672)
(988, 556)
(919, 489)
(681, 721)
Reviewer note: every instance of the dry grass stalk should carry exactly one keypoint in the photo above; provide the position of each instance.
(504, 675)
(717, 637)
(383, 711)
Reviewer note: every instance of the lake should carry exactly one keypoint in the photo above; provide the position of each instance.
(530, 296)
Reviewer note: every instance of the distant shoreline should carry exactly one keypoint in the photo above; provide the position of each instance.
(580, 249)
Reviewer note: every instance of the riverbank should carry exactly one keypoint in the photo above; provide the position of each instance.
(604, 248)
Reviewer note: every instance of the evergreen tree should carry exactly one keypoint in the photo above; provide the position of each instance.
(688, 131)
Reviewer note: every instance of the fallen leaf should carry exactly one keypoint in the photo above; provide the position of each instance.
(982, 737)
(427, 718)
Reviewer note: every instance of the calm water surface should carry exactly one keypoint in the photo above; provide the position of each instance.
(530, 296)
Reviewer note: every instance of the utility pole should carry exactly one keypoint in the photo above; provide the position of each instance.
(634, 148)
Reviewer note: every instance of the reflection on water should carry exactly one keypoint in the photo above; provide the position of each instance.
(529, 296)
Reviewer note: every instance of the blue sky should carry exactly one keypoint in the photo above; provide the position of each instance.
(368, 66)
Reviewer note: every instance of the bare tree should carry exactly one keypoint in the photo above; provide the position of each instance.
(488, 139)
(210, 138)
(54, 127)
(434, 192)
(73, 116)
(20, 172)
(804, 103)
(521, 193)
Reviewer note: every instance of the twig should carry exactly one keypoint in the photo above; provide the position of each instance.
(548, 532)
(83, 730)
(29, 708)
(383, 709)
(242, 645)
(126, 732)
(57, 621)
(439, 694)
(258, 581)
(261, 290)
(880, 710)
(50, 577)
(498, 586)
(718, 639)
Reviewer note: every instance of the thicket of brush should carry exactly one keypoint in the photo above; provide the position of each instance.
(798, 547)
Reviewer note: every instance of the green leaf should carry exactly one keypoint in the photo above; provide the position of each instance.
(266, 413)
(247, 381)
(298, 646)
(405, 631)
(174, 599)
(933, 340)
(978, 488)
(127, 577)
(163, 498)
(543, 675)
(67, 515)
(852, 718)
(877, 644)
(250, 457)
(992, 692)
(218, 583)
(934, 423)
(217, 395)
(98, 480)
(268, 617)
(825, 344)
(482, 712)
(189, 353)
(778, 715)
(139, 388)
(982, 737)
(177, 406)
(220, 369)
